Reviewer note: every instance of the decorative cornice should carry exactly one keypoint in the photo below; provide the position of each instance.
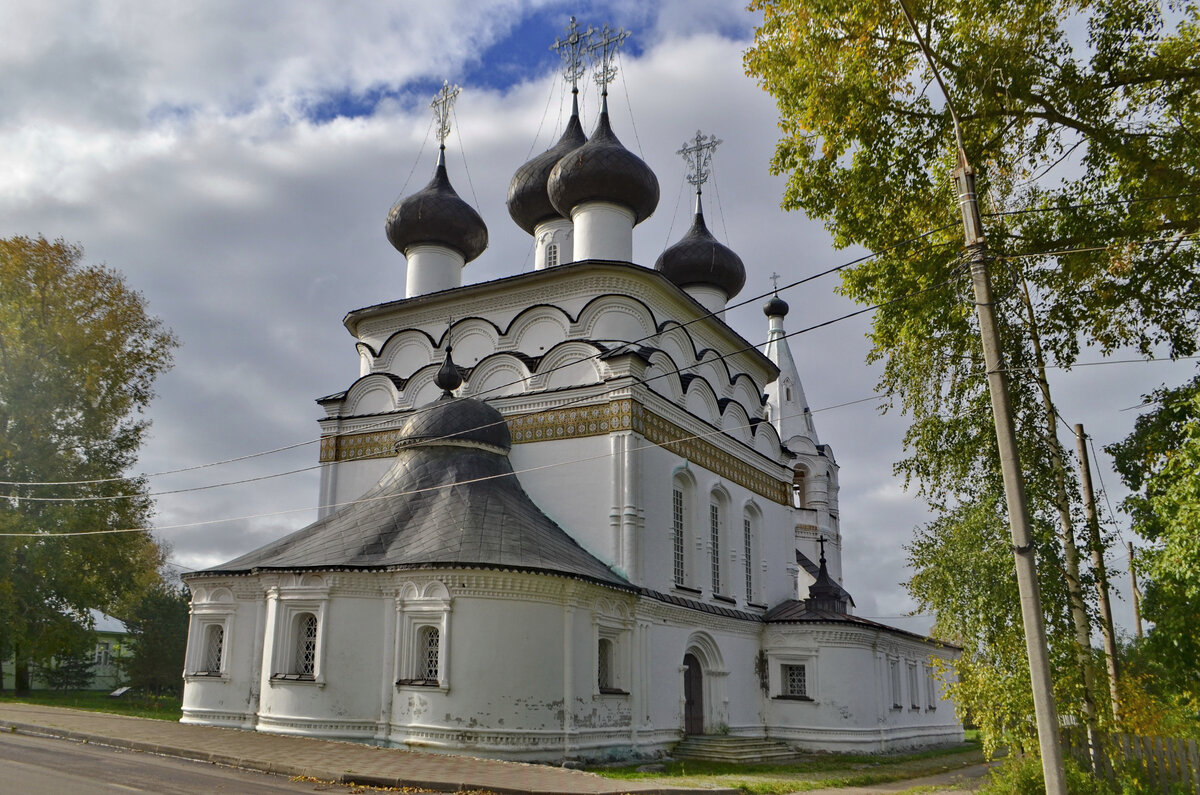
(578, 422)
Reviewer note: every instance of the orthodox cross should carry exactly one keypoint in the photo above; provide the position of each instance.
(698, 153)
(821, 540)
(774, 277)
(573, 51)
(442, 105)
(603, 47)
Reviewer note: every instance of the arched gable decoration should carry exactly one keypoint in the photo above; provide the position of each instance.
(616, 317)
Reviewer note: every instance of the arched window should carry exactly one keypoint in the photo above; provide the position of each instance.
(714, 532)
(214, 647)
(429, 647)
(748, 552)
(305, 663)
(604, 665)
(677, 532)
(800, 489)
(551, 255)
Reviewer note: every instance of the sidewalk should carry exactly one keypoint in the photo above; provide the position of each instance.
(321, 759)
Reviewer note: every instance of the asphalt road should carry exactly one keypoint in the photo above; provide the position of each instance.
(49, 766)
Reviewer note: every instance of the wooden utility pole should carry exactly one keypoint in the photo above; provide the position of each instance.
(1137, 596)
(1036, 646)
(1097, 548)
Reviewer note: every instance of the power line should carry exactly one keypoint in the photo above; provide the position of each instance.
(685, 324)
(1088, 205)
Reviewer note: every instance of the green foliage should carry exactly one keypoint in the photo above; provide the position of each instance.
(78, 358)
(139, 705)
(1086, 161)
(158, 625)
(1160, 462)
(1022, 775)
(68, 671)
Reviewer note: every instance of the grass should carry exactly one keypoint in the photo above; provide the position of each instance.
(810, 772)
(139, 705)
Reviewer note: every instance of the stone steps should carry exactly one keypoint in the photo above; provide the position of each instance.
(723, 748)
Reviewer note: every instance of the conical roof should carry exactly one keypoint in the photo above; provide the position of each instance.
(448, 501)
(603, 170)
(699, 258)
(528, 196)
(436, 215)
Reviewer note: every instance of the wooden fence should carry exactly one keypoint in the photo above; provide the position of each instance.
(1172, 764)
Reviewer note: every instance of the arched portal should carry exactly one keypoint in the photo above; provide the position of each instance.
(693, 695)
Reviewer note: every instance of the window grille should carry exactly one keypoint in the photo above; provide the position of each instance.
(677, 534)
(306, 644)
(894, 666)
(714, 521)
(604, 665)
(795, 681)
(748, 544)
(551, 255)
(431, 644)
(214, 645)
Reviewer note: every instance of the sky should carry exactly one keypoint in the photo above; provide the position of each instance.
(236, 161)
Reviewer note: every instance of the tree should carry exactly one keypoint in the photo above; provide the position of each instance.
(158, 631)
(78, 358)
(1160, 462)
(1085, 154)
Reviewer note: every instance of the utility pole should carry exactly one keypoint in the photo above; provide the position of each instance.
(1097, 548)
(1036, 646)
(1137, 596)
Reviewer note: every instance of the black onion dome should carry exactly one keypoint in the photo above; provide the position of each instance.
(528, 198)
(699, 258)
(435, 214)
(454, 421)
(603, 170)
(775, 307)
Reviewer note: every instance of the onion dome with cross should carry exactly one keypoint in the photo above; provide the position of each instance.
(434, 228)
(708, 270)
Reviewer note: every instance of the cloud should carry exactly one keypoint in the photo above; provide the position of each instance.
(198, 148)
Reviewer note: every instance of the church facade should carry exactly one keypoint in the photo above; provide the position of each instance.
(583, 519)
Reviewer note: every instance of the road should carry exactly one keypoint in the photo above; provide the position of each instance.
(49, 766)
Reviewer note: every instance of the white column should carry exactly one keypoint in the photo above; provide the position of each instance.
(603, 230)
(432, 268)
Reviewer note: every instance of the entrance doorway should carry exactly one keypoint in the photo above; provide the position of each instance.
(693, 695)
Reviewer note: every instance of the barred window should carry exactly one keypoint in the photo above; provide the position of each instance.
(604, 665)
(677, 534)
(430, 649)
(894, 670)
(306, 645)
(748, 544)
(214, 647)
(714, 521)
(795, 681)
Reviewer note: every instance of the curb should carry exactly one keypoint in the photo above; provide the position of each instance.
(291, 771)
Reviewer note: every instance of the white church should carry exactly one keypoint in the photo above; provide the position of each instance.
(567, 514)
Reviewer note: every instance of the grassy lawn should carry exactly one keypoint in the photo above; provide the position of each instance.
(140, 705)
(814, 771)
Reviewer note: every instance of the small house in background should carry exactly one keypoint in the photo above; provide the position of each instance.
(111, 645)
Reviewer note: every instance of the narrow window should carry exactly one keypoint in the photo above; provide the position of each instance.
(430, 648)
(677, 534)
(551, 255)
(914, 690)
(787, 393)
(103, 655)
(748, 543)
(714, 521)
(799, 496)
(894, 666)
(214, 646)
(930, 688)
(795, 681)
(604, 664)
(306, 645)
